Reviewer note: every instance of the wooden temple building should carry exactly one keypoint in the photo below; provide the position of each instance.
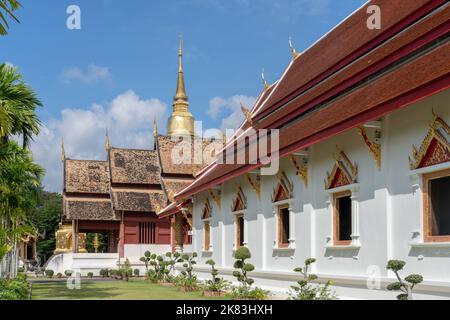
(121, 195)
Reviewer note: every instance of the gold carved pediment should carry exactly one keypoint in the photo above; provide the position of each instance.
(344, 171)
(435, 147)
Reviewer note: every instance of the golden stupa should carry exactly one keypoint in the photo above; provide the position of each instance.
(181, 122)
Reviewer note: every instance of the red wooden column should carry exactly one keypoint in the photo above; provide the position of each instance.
(122, 237)
(173, 241)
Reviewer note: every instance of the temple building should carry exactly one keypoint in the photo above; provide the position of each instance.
(120, 196)
(363, 120)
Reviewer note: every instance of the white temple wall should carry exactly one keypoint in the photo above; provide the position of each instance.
(389, 202)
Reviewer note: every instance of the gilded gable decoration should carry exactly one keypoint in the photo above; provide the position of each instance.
(215, 195)
(344, 171)
(284, 188)
(255, 183)
(301, 169)
(206, 214)
(240, 201)
(435, 148)
(374, 146)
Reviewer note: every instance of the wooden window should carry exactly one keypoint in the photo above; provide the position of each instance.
(147, 233)
(283, 226)
(206, 236)
(436, 191)
(342, 218)
(240, 231)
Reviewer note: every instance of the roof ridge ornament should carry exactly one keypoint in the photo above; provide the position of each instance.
(247, 113)
(107, 144)
(263, 78)
(63, 152)
(155, 128)
(294, 52)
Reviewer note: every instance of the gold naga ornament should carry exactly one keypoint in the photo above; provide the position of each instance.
(301, 169)
(374, 147)
(255, 183)
(215, 195)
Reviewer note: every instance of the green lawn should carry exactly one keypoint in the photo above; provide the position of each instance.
(111, 290)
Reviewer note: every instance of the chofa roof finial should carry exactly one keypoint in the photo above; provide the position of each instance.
(293, 51)
(263, 77)
(63, 152)
(107, 143)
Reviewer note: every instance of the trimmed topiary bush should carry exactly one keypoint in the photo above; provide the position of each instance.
(68, 273)
(405, 286)
(59, 275)
(49, 273)
(136, 272)
(216, 285)
(146, 259)
(90, 275)
(306, 291)
(245, 291)
(187, 281)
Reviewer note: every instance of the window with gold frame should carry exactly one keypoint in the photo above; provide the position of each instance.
(436, 206)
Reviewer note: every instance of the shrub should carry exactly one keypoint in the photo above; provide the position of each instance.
(59, 275)
(188, 279)
(245, 291)
(21, 270)
(215, 284)
(14, 289)
(90, 275)
(125, 272)
(49, 273)
(68, 273)
(104, 273)
(306, 291)
(152, 276)
(136, 272)
(146, 259)
(405, 286)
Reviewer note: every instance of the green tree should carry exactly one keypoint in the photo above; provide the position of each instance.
(46, 218)
(404, 286)
(7, 7)
(19, 187)
(18, 103)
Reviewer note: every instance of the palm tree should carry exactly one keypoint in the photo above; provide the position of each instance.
(18, 102)
(6, 10)
(19, 188)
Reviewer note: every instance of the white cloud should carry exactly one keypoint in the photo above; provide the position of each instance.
(91, 75)
(231, 107)
(130, 123)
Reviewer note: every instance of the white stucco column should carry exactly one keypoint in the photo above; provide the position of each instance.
(355, 217)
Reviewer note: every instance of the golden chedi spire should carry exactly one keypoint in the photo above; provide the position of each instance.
(181, 122)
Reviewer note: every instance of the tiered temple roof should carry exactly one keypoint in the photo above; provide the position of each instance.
(131, 180)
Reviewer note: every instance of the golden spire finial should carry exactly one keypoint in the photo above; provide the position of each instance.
(181, 121)
(247, 113)
(107, 144)
(181, 90)
(63, 152)
(293, 51)
(266, 84)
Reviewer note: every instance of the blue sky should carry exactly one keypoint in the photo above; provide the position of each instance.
(119, 70)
